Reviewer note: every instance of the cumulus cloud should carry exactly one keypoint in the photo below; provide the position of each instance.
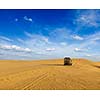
(80, 50)
(77, 50)
(5, 47)
(76, 37)
(28, 19)
(15, 48)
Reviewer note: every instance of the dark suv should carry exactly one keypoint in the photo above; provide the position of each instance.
(67, 61)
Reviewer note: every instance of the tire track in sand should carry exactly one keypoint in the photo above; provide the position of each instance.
(34, 82)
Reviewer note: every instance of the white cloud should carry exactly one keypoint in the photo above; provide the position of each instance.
(50, 49)
(87, 17)
(91, 41)
(60, 34)
(15, 48)
(20, 40)
(77, 50)
(39, 43)
(39, 46)
(36, 38)
(27, 50)
(16, 19)
(94, 37)
(81, 49)
(7, 47)
(28, 34)
(88, 55)
(5, 38)
(76, 37)
(45, 39)
(28, 19)
(63, 43)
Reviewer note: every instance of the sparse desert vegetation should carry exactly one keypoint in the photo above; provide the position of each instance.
(49, 75)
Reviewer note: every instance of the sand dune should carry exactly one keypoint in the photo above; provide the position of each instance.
(49, 74)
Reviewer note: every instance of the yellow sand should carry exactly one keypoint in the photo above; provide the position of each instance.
(49, 74)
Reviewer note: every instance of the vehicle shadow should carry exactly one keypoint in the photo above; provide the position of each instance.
(97, 66)
(53, 64)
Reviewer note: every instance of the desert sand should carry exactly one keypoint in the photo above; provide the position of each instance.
(49, 75)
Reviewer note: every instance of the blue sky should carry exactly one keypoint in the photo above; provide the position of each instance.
(47, 34)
